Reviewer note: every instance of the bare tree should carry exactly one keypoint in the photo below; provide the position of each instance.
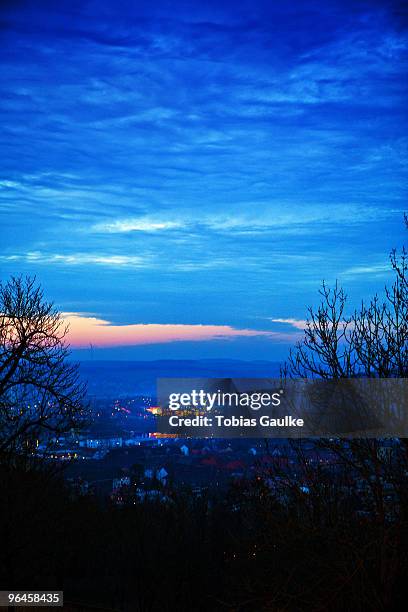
(372, 341)
(369, 342)
(41, 395)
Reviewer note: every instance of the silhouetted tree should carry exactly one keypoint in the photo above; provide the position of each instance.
(372, 341)
(369, 343)
(41, 395)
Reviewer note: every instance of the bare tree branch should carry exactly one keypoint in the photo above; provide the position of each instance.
(41, 395)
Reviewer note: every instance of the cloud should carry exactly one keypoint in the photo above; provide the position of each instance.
(122, 226)
(296, 323)
(86, 330)
(366, 270)
(268, 218)
(76, 259)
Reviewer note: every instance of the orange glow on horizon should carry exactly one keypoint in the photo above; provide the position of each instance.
(86, 330)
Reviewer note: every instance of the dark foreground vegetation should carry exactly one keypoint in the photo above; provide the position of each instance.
(250, 550)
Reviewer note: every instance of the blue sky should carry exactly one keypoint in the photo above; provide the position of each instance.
(202, 164)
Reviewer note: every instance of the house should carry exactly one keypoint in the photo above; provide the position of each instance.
(117, 483)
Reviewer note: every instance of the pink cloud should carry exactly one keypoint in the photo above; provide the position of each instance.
(86, 330)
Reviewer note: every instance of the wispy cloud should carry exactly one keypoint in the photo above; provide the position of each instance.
(122, 226)
(296, 323)
(301, 218)
(382, 269)
(86, 330)
(76, 259)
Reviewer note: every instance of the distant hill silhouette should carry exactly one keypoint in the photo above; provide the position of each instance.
(123, 378)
